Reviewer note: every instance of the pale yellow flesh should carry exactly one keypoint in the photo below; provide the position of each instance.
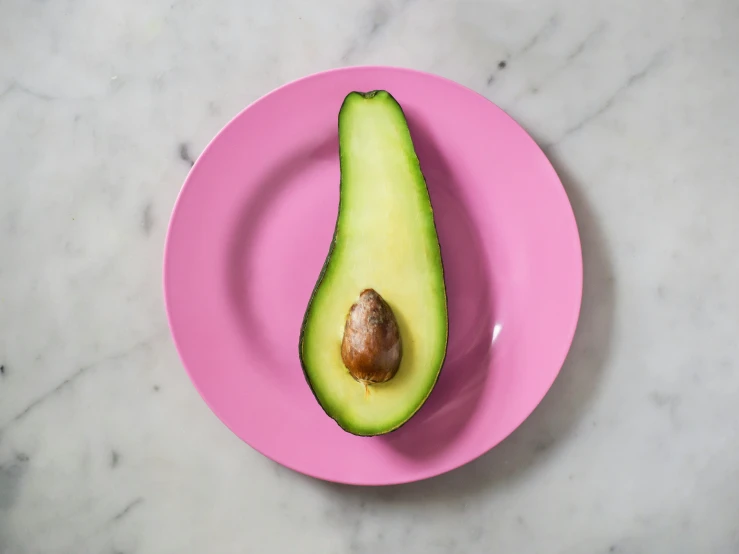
(385, 240)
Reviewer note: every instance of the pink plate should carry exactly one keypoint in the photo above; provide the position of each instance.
(253, 224)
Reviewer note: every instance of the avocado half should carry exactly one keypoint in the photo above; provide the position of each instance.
(385, 240)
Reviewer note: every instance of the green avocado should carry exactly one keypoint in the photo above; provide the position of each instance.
(374, 334)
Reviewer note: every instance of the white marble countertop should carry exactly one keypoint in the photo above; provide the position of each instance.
(106, 448)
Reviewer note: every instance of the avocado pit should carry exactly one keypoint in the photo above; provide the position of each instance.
(371, 348)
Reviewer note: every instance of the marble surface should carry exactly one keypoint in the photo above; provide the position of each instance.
(106, 448)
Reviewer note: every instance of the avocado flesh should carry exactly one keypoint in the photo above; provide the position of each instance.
(385, 239)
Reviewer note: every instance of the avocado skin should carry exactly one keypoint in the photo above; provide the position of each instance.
(324, 268)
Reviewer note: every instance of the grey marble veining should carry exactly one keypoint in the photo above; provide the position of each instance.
(106, 448)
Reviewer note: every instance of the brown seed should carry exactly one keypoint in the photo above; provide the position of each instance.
(371, 347)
